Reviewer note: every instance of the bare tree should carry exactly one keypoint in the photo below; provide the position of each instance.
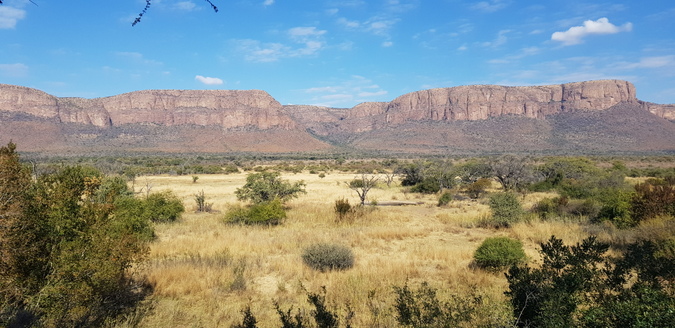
(362, 185)
(389, 178)
(512, 172)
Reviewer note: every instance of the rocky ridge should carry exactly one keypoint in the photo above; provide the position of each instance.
(230, 111)
(224, 108)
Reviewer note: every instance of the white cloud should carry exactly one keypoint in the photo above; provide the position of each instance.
(268, 3)
(346, 93)
(137, 57)
(651, 62)
(185, 6)
(387, 44)
(575, 34)
(499, 40)
(209, 80)
(9, 16)
(310, 39)
(13, 70)
(490, 6)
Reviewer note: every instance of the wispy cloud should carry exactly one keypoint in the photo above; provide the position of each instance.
(310, 40)
(268, 3)
(10, 16)
(356, 89)
(500, 40)
(490, 6)
(574, 35)
(185, 6)
(650, 62)
(208, 80)
(137, 58)
(13, 70)
(383, 21)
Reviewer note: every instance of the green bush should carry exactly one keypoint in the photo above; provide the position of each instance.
(326, 257)
(163, 207)
(497, 253)
(445, 198)
(266, 213)
(427, 186)
(506, 209)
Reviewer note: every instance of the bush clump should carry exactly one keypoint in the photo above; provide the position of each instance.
(445, 198)
(343, 209)
(506, 209)
(326, 257)
(497, 253)
(266, 213)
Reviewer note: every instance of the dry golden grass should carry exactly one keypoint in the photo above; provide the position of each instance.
(205, 272)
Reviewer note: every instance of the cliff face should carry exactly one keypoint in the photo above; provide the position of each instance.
(480, 102)
(224, 108)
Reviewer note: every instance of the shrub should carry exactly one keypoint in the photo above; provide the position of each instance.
(477, 189)
(342, 209)
(497, 253)
(163, 207)
(202, 205)
(267, 213)
(445, 198)
(326, 257)
(427, 186)
(422, 308)
(506, 209)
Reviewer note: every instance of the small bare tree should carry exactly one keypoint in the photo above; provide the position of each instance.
(389, 178)
(362, 185)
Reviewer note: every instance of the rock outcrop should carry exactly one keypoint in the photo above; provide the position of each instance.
(480, 102)
(224, 108)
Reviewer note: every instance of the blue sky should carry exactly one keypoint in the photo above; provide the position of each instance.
(336, 52)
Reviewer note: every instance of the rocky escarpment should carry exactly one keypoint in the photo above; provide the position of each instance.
(224, 108)
(478, 102)
(445, 119)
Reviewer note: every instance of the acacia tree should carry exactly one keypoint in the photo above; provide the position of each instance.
(362, 185)
(266, 186)
(512, 172)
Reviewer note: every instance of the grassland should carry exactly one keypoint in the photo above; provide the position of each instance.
(204, 272)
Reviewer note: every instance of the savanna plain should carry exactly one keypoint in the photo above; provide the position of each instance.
(205, 272)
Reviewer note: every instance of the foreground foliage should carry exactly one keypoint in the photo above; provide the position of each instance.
(582, 286)
(67, 242)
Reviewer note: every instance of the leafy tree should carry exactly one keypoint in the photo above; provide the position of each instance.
(550, 296)
(65, 251)
(267, 186)
(581, 286)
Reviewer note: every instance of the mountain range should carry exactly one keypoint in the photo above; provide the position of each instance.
(601, 116)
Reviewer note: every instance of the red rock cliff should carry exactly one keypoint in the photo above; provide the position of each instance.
(479, 102)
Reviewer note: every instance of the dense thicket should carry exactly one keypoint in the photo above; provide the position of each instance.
(67, 242)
